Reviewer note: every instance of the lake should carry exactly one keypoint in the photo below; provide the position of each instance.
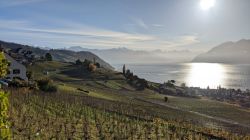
(195, 74)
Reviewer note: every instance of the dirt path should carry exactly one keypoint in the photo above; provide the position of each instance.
(197, 113)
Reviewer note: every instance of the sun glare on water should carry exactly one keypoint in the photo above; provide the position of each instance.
(204, 75)
(207, 4)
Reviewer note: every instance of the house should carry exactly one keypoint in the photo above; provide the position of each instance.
(16, 69)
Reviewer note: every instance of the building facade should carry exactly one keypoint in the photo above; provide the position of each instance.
(16, 70)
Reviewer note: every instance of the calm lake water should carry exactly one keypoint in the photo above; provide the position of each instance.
(195, 74)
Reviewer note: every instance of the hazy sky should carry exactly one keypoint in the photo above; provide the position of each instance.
(135, 24)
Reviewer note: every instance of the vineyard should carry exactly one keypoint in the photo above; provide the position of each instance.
(38, 115)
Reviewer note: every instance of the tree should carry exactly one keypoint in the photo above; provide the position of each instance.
(183, 85)
(3, 65)
(124, 69)
(48, 57)
(166, 99)
(142, 84)
(172, 81)
(92, 67)
(46, 85)
(86, 62)
(97, 65)
(4, 102)
(78, 62)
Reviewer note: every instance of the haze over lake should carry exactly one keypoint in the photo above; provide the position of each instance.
(195, 74)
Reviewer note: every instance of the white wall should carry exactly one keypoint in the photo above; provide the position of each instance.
(15, 65)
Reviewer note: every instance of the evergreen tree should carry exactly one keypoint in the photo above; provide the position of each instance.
(124, 69)
(48, 57)
(78, 62)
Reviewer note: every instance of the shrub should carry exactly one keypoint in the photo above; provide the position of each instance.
(166, 99)
(17, 83)
(4, 103)
(48, 57)
(98, 65)
(46, 85)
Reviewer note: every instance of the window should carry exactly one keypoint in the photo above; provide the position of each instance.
(16, 71)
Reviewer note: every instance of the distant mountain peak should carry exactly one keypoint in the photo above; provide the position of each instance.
(228, 52)
(244, 40)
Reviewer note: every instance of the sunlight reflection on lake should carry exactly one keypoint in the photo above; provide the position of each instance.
(206, 74)
(195, 74)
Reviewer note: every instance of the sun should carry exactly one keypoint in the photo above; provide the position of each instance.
(207, 4)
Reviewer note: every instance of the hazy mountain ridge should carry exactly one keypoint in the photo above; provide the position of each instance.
(229, 52)
(125, 55)
(58, 54)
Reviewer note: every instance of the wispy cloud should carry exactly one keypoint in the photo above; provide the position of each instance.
(157, 25)
(140, 23)
(180, 41)
(76, 34)
(79, 33)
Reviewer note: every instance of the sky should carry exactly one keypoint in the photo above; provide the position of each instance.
(134, 24)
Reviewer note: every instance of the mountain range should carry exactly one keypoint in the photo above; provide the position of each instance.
(229, 52)
(125, 55)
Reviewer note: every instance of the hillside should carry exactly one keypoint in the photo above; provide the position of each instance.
(58, 54)
(229, 52)
(101, 104)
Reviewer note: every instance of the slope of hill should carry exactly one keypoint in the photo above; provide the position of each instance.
(59, 54)
(103, 105)
(229, 52)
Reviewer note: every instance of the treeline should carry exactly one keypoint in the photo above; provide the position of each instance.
(90, 65)
(134, 80)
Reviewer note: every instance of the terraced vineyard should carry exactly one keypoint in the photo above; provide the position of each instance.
(36, 115)
(102, 105)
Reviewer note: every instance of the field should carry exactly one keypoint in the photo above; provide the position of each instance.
(101, 105)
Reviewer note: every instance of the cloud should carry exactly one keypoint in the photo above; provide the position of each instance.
(174, 43)
(68, 33)
(140, 23)
(157, 25)
(73, 33)
(188, 40)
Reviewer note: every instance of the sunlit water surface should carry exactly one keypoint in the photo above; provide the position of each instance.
(196, 74)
